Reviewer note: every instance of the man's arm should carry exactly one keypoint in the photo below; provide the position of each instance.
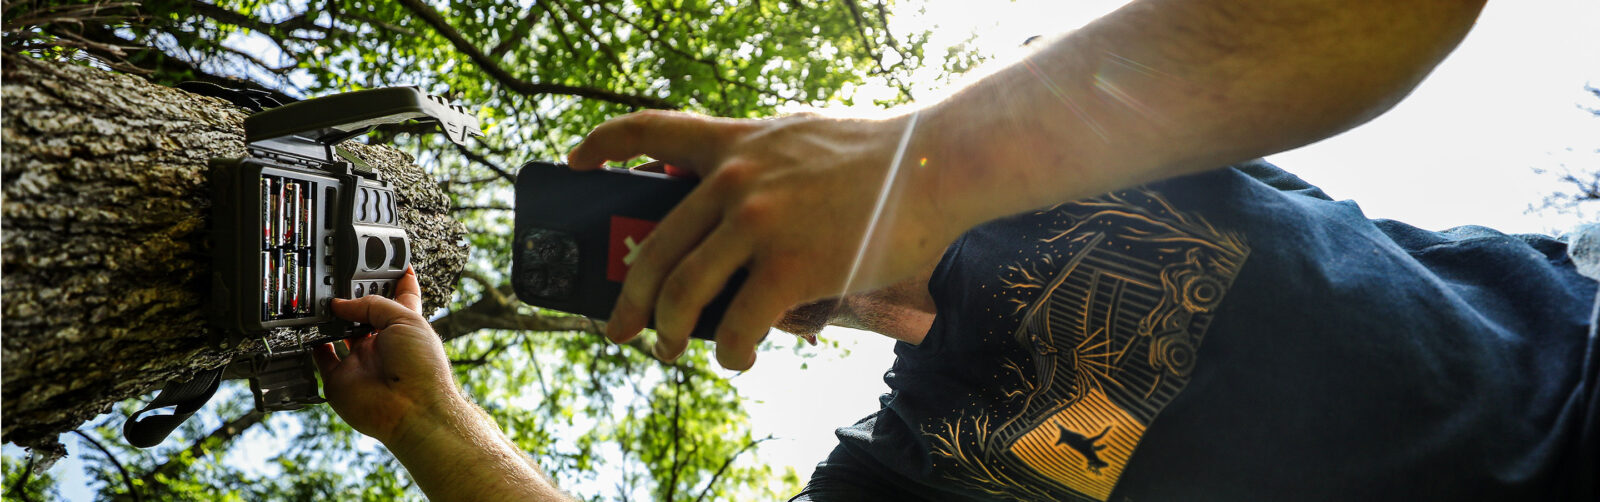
(455, 452)
(1157, 89)
(396, 386)
(1162, 88)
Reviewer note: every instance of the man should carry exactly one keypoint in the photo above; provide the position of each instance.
(1091, 309)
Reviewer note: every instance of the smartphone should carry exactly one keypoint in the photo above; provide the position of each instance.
(576, 234)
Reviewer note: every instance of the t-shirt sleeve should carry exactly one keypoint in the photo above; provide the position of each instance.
(844, 477)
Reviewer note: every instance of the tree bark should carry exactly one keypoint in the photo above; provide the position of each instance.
(105, 217)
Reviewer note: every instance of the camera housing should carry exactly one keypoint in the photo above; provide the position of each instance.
(576, 232)
(298, 221)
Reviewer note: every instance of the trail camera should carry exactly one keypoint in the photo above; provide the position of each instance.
(295, 223)
(298, 222)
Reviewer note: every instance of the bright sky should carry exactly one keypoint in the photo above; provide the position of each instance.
(1459, 151)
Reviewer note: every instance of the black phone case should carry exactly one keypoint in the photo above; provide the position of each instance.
(572, 227)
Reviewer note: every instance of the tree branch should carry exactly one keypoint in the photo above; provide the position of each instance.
(561, 31)
(466, 321)
(497, 309)
(66, 14)
(588, 31)
(386, 133)
(306, 20)
(485, 162)
(279, 71)
(126, 479)
(202, 447)
(486, 356)
(499, 74)
(480, 208)
(883, 20)
(518, 32)
(22, 479)
(280, 33)
(716, 70)
(169, 65)
(539, 125)
(657, 40)
(112, 56)
(713, 482)
(379, 23)
(677, 391)
(544, 388)
(876, 53)
(472, 181)
(861, 28)
(229, 16)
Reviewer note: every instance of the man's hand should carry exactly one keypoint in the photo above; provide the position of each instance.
(791, 200)
(395, 385)
(392, 374)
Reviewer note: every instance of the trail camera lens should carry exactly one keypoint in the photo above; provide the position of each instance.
(548, 263)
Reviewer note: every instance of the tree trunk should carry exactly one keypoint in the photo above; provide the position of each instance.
(105, 217)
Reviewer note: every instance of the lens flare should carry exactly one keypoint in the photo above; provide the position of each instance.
(1066, 100)
(883, 199)
(1105, 81)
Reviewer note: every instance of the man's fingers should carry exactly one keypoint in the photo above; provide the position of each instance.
(668, 349)
(377, 311)
(677, 137)
(751, 313)
(409, 293)
(696, 280)
(674, 237)
(326, 358)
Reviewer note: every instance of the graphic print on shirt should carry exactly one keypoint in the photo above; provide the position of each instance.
(1111, 302)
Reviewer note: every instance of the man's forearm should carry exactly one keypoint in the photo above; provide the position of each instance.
(1162, 88)
(455, 452)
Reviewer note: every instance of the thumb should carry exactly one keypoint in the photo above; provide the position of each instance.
(327, 359)
(377, 311)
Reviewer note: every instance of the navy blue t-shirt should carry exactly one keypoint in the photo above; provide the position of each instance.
(1235, 335)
